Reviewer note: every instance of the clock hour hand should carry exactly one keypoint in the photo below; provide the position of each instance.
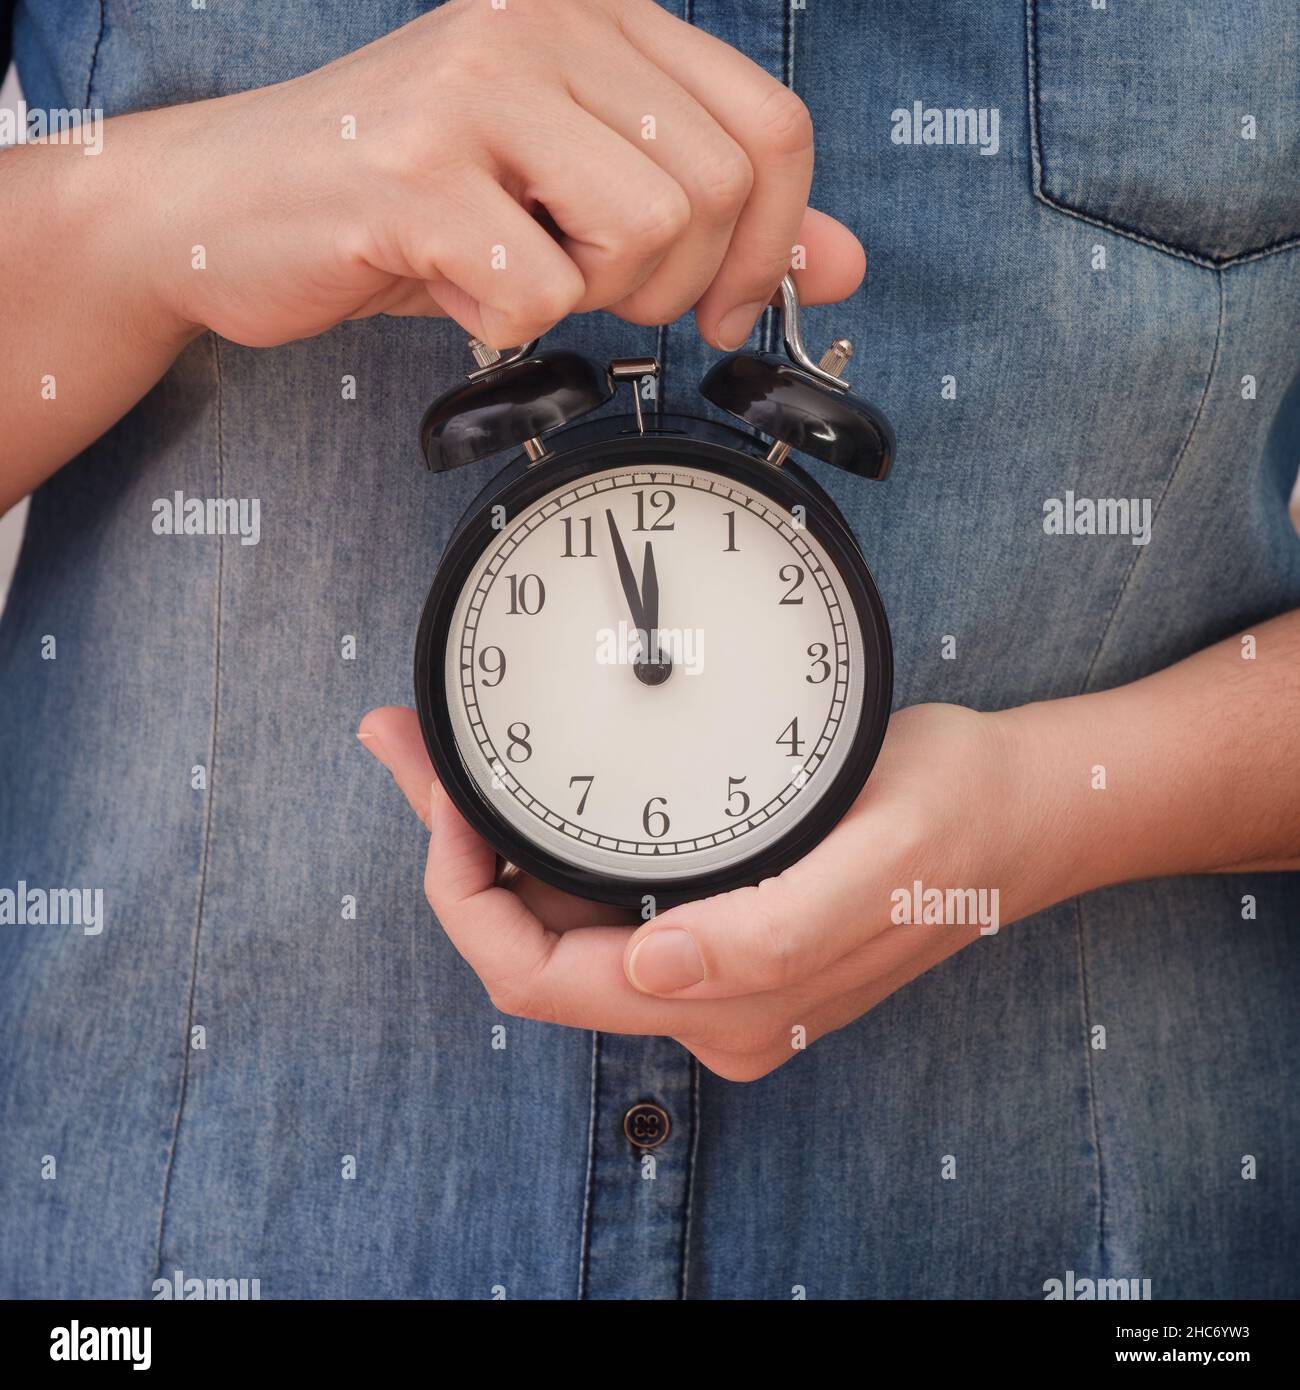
(648, 672)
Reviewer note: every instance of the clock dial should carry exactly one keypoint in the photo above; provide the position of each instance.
(653, 760)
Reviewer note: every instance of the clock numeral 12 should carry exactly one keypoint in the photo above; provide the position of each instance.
(661, 497)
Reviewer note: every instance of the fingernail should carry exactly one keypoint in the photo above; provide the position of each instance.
(372, 745)
(666, 961)
(737, 325)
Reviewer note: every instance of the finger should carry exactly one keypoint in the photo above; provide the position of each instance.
(665, 123)
(771, 937)
(573, 978)
(476, 238)
(773, 127)
(884, 965)
(616, 228)
(393, 735)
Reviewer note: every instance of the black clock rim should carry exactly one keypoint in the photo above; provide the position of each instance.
(613, 447)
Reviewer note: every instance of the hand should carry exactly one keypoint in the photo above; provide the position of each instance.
(744, 979)
(469, 190)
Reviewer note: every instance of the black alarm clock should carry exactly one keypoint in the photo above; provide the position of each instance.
(653, 664)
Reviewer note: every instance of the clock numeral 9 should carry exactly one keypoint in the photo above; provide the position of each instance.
(495, 667)
(587, 552)
(659, 818)
(527, 595)
(661, 497)
(789, 738)
(792, 575)
(519, 741)
(818, 652)
(733, 791)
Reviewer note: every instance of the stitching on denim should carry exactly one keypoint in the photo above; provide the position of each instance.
(1109, 624)
(1168, 248)
(207, 831)
(690, 1177)
(94, 56)
(584, 1252)
(1085, 1009)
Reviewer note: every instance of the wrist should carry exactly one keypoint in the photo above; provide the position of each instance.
(119, 215)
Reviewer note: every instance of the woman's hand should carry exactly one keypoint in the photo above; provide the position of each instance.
(672, 170)
(746, 979)
(1194, 769)
(505, 166)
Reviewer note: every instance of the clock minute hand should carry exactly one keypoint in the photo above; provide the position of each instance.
(650, 601)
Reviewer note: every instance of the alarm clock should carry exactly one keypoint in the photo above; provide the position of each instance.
(653, 664)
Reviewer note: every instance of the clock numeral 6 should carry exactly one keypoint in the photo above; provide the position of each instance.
(733, 791)
(519, 741)
(495, 666)
(818, 652)
(792, 575)
(527, 595)
(660, 818)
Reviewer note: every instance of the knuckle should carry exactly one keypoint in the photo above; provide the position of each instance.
(658, 221)
(722, 187)
(774, 958)
(784, 125)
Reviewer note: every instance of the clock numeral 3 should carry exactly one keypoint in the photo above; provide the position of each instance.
(792, 575)
(527, 595)
(519, 741)
(818, 652)
(659, 818)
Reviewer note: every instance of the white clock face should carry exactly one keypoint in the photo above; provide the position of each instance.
(567, 722)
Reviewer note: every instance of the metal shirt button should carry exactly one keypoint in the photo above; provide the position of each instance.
(646, 1125)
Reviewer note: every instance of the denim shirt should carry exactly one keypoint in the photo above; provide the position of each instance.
(271, 1064)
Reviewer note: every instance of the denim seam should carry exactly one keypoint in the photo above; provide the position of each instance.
(584, 1249)
(1208, 262)
(1085, 1009)
(1109, 624)
(94, 56)
(690, 1177)
(207, 832)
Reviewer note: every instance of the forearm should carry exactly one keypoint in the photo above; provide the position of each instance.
(85, 330)
(1195, 769)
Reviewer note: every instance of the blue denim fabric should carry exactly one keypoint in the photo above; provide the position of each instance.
(480, 1168)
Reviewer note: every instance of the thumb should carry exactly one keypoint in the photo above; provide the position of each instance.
(748, 941)
(393, 735)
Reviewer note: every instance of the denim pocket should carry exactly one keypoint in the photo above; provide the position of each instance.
(1176, 122)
